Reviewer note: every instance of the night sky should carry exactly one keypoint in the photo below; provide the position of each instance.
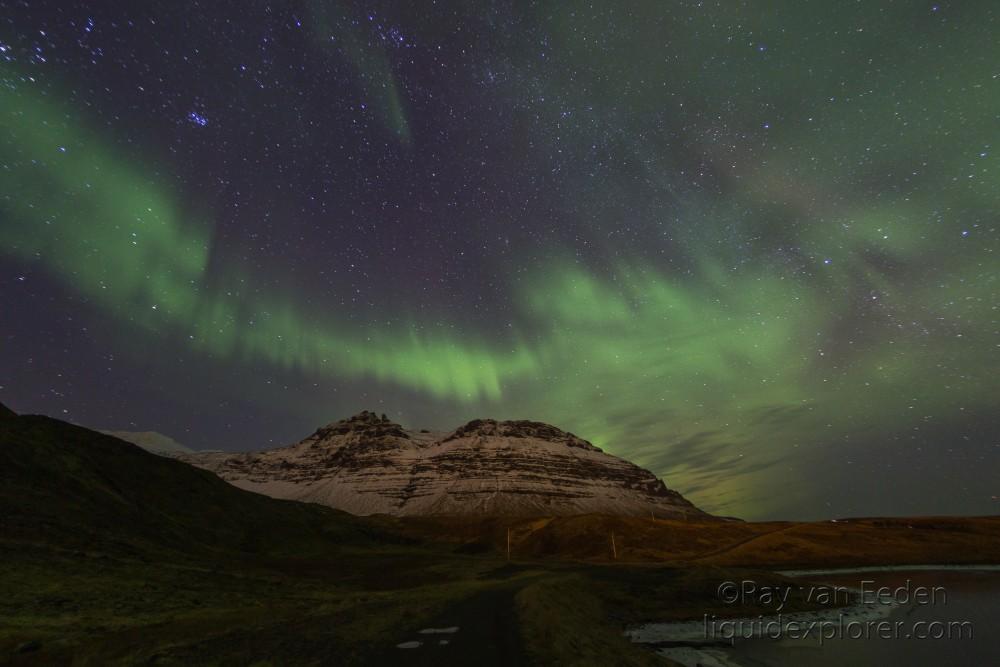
(750, 246)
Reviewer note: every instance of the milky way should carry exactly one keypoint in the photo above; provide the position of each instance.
(753, 250)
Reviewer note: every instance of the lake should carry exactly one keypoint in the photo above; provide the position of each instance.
(964, 603)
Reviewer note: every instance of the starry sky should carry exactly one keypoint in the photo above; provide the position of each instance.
(750, 246)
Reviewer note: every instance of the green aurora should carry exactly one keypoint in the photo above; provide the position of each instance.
(845, 284)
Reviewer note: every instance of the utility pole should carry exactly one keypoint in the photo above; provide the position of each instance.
(614, 549)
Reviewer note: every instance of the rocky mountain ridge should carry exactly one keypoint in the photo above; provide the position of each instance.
(367, 464)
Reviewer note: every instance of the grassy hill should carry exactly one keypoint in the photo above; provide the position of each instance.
(67, 485)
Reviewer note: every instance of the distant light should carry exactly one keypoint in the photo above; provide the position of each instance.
(197, 119)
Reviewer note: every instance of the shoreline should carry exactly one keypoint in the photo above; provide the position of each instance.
(891, 568)
(689, 643)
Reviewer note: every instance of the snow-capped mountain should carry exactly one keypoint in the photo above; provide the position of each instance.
(153, 442)
(370, 465)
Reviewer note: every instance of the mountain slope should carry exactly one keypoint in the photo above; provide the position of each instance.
(151, 441)
(369, 465)
(67, 485)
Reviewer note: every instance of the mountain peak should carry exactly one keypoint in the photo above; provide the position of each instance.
(520, 428)
(365, 424)
(368, 417)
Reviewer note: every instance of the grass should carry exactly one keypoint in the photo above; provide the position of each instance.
(563, 623)
(764, 545)
(102, 610)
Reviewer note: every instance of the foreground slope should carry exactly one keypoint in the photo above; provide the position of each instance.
(64, 484)
(370, 465)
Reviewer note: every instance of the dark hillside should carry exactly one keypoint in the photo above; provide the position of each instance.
(69, 486)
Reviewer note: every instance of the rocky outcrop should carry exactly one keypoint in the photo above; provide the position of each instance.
(368, 464)
(519, 429)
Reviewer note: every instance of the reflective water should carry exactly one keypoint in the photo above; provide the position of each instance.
(965, 603)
